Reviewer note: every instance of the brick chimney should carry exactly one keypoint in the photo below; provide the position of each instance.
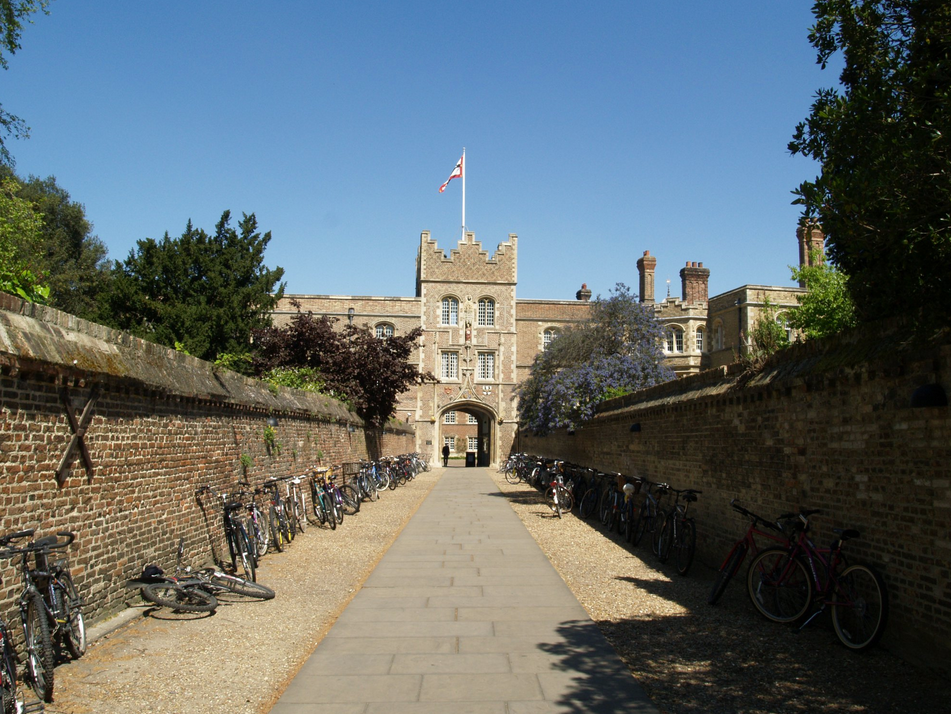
(645, 266)
(812, 243)
(694, 279)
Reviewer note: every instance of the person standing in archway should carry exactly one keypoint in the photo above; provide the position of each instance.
(445, 454)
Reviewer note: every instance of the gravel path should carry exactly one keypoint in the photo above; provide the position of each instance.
(689, 657)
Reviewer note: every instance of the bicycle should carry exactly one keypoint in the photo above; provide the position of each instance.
(747, 544)
(558, 496)
(679, 532)
(236, 534)
(50, 606)
(321, 500)
(592, 495)
(277, 515)
(649, 513)
(784, 583)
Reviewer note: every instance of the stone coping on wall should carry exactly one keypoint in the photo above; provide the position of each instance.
(39, 338)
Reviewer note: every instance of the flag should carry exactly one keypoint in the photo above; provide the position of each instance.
(456, 173)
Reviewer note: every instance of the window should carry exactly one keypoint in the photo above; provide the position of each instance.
(384, 330)
(473, 443)
(718, 336)
(699, 338)
(450, 365)
(450, 311)
(473, 419)
(782, 319)
(486, 365)
(549, 334)
(449, 418)
(674, 339)
(486, 317)
(449, 441)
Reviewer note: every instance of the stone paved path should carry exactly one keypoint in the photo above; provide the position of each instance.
(464, 614)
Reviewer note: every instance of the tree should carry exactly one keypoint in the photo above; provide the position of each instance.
(768, 335)
(616, 351)
(366, 372)
(827, 308)
(202, 293)
(20, 236)
(13, 13)
(884, 193)
(72, 258)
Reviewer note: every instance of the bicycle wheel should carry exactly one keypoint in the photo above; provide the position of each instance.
(329, 508)
(351, 500)
(274, 527)
(685, 545)
(299, 513)
(511, 475)
(336, 500)
(567, 500)
(369, 487)
(260, 532)
(666, 539)
(247, 565)
(8, 673)
(39, 647)
(282, 524)
(630, 524)
(589, 503)
(859, 607)
(779, 585)
(74, 630)
(604, 508)
(729, 568)
(644, 524)
(240, 586)
(178, 598)
(659, 522)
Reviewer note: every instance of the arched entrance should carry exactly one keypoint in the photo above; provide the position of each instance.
(469, 427)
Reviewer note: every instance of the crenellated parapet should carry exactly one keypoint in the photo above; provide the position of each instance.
(468, 262)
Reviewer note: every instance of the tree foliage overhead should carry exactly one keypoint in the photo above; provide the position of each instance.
(13, 13)
(827, 308)
(72, 259)
(367, 372)
(616, 351)
(203, 293)
(884, 193)
(21, 227)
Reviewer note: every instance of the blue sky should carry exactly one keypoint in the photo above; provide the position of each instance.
(593, 131)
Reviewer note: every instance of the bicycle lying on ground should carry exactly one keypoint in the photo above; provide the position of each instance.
(50, 607)
(784, 583)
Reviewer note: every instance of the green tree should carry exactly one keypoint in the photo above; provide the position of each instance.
(20, 236)
(768, 335)
(883, 196)
(616, 351)
(827, 308)
(13, 13)
(72, 258)
(204, 293)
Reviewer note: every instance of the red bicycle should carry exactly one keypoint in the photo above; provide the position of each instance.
(746, 544)
(784, 583)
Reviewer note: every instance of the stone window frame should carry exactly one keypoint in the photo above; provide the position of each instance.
(471, 419)
(449, 311)
(472, 443)
(673, 339)
(699, 336)
(449, 417)
(450, 441)
(449, 365)
(486, 311)
(718, 337)
(548, 335)
(482, 359)
(383, 330)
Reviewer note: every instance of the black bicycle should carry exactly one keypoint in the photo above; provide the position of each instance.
(50, 606)
(242, 552)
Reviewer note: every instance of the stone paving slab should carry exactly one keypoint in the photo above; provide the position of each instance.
(464, 614)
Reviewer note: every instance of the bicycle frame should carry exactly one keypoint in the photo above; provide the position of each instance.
(749, 538)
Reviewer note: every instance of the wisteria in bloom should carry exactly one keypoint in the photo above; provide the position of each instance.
(617, 351)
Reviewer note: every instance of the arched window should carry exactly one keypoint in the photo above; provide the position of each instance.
(699, 338)
(674, 340)
(718, 336)
(450, 311)
(384, 330)
(486, 316)
(547, 336)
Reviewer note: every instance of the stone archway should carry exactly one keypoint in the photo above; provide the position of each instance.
(486, 435)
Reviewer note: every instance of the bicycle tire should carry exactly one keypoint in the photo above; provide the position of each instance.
(729, 568)
(329, 508)
(589, 503)
(351, 500)
(859, 607)
(178, 598)
(282, 524)
(74, 629)
(247, 564)
(8, 673)
(39, 647)
(779, 585)
(261, 532)
(300, 515)
(659, 522)
(665, 540)
(604, 507)
(511, 475)
(336, 500)
(685, 547)
(644, 523)
(567, 500)
(241, 586)
(274, 526)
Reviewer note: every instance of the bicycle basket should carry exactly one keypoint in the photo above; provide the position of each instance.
(351, 468)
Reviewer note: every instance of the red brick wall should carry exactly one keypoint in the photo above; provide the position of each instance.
(152, 442)
(827, 425)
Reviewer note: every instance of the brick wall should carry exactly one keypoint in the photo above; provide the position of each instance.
(163, 425)
(826, 425)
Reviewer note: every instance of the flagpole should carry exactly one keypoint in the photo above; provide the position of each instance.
(463, 193)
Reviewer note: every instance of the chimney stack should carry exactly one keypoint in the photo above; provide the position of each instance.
(812, 243)
(694, 279)
(645, 266)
